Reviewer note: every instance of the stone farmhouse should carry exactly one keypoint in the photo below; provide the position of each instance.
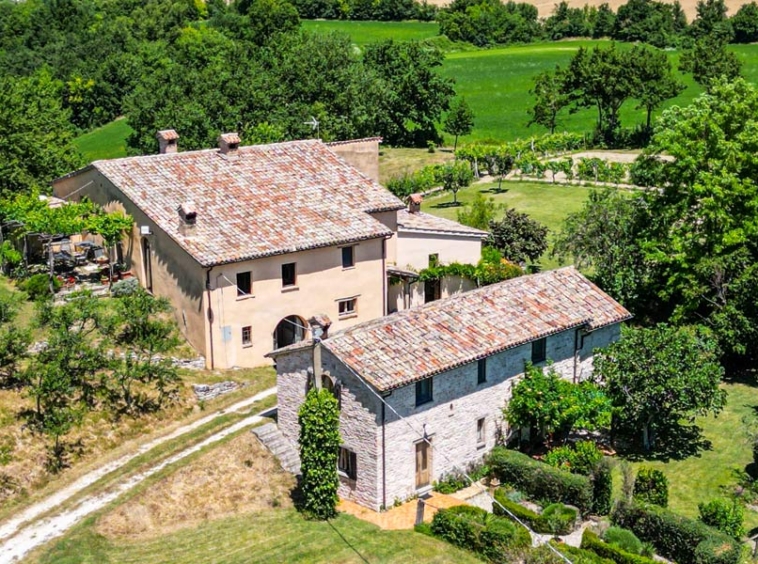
(248, 242)
(447, 368)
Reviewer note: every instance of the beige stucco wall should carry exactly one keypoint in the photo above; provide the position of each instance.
(414, 248)
(176, 275)
(321, 283)
(389, 219)
(362, 154)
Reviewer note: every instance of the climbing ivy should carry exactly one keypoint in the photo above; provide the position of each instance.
(319, 448)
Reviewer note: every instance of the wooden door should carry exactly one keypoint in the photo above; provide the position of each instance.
(423, 464)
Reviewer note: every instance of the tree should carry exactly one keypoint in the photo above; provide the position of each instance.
(711, 21)
(655, 81)
(657, 376)
(36, 138)
(319, 450)
(266, 18)
(708, 60)
(518, 237)
(456, 176)
(745, 23)
(14, 341)
(111, 227)
(459, 120)
(146, 377)
(479, 212)
(549, 101)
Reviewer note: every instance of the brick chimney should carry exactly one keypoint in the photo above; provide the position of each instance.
(320, 326)
(228, 144)
(414, 203)
(188, 215)
(167, 139)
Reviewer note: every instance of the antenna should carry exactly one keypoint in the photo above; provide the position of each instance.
(313, 122)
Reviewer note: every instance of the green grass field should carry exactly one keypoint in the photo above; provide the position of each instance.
(370, 32)
(277, 535)
(107, 142)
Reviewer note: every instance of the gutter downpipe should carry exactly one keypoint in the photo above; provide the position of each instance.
(384, 460)
(384, 276)
(209, 314)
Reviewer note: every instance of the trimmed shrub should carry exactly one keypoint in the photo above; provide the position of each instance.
(724, 515)
(590, 541)
(556, 519)
(476, 530)
(602, 487)
(677, 537)
(580, 555)
(37, 286)
(580, 458)
(539, 480)
(623, 539)
(651, 486)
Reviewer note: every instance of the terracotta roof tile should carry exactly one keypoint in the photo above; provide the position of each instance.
(420, 221)
(399, 349)
(271, 199)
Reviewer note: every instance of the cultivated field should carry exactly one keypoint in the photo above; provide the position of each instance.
(369, 32)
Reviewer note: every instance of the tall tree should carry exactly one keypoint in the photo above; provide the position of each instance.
(549, 99)
(655, 81)
(745, 23)
(455, 176)
(708, 60)
(655, 377)
(459, 120)
(14, 341)
(518, 237)
(711, 21)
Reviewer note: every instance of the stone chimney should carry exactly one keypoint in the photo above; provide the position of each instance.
(188, 215)
(167, 141)
(320, 326)
(228, 144)
(414, 203)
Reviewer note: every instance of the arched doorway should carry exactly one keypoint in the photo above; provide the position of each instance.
(291, 329)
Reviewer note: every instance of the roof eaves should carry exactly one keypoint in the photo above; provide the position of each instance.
(74, 173)
(463, 233)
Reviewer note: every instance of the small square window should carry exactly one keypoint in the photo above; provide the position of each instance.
(247, 336)
(539, 350)
(348, 257)
(481, 431)
(424, 391)
(348, 307)
(244, 284)
(348, 463)
(289, 274)
(434, 260)
(481, 376)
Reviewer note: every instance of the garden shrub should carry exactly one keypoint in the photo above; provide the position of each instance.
(590, 541)
(124, 287)
(623, 539)
(539, 480)
(651, 486)
(457, 480)
(37, 286)
(476, 530)
(602, 487)
(677, 537)
(556, 519)
(580, 555)
(725, 515)
(579, 458)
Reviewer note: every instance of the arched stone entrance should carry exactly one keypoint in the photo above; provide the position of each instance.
(292, 329)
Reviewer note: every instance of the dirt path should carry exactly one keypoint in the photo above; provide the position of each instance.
(22, 534)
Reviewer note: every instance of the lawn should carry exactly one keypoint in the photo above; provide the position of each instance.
(106, 142)
(370, 32)
(711, 473)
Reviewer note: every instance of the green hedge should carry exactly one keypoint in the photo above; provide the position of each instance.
(677, 537)
(602, 487)
(476, 530)
(580, 555)
(590, 541)
(557, 519)
(539, 480)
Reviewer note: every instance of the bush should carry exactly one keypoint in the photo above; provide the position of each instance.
(124, 287)
(37, 287)
(556, 519)
(590, 541)
(476, 530)
(539, 480)
(602, 487)
(724, 515)
(623, 539)
(651, 486)
(580, 555)
(676, 537)
(580, 458)
(457, 480)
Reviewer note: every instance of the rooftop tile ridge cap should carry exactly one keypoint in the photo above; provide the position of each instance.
(441, 219)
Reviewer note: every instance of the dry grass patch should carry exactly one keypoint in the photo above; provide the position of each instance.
(396, 162)
(240, 476)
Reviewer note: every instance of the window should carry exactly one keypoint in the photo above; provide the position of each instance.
(348, 463)
(481, 431)
(424, 391)
(289, 275)
(247, 336)
(348, 307)
(539, 350)
(244, 284)
(481, 377)
(348, 257)
(434, 260)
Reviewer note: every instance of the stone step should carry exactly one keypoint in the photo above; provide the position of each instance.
(281, 448)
